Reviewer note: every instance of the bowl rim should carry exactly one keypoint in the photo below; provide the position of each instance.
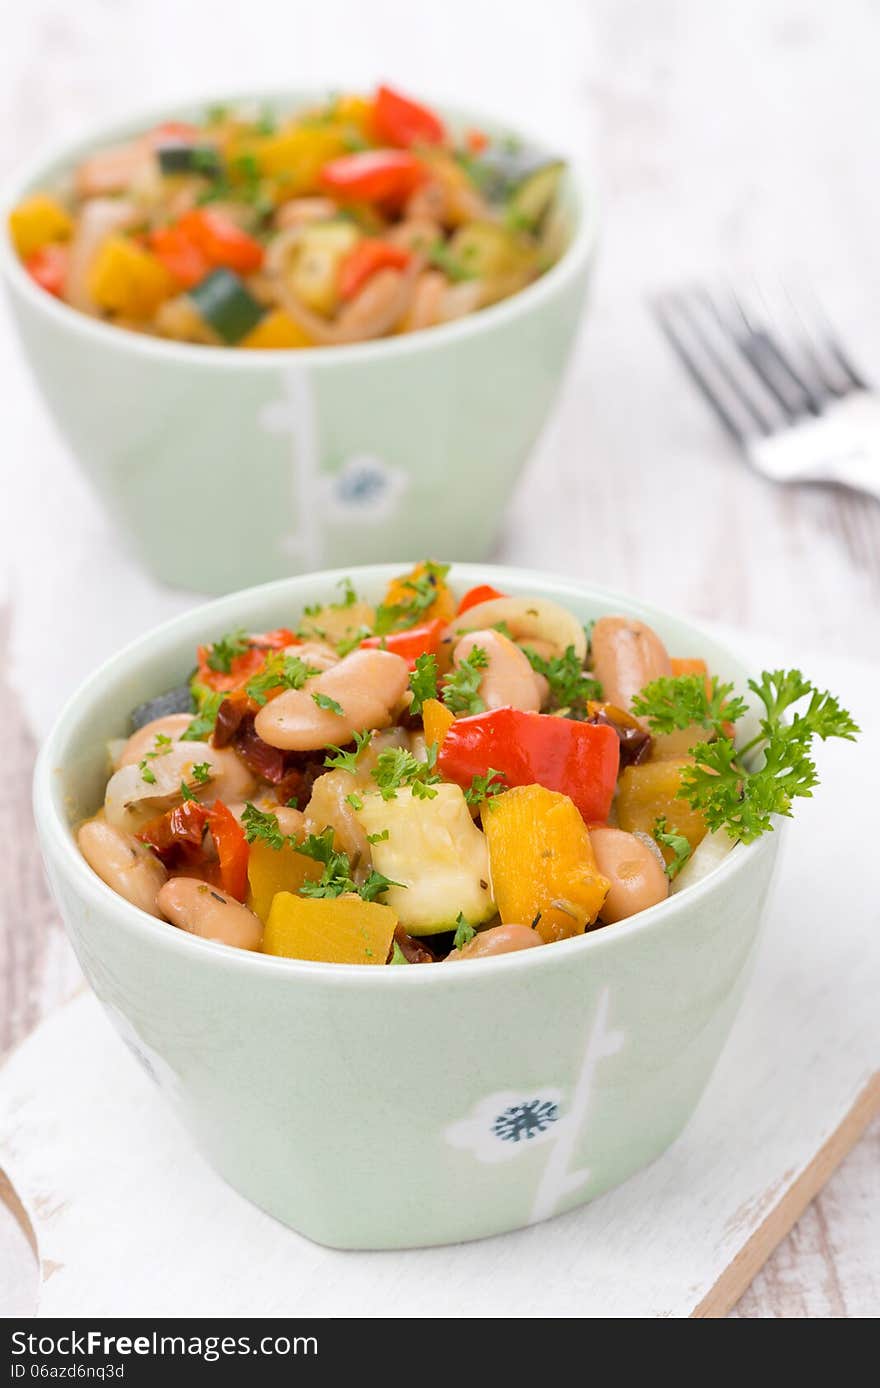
(554, 283)
(60, 848)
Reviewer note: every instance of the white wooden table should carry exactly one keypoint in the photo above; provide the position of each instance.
(727, 137)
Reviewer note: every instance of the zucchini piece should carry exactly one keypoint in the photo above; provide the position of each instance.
(176, 700)
(225, 305)
(436, 857)
(536, 193)
(314, 272)
(177, 157)
(524, 180)
(500, 258)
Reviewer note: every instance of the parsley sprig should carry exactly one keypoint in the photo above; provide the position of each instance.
(423, 682)
(677, 844)
(336, 876)
(570, 684)
(719, 784)
(224, 651)
(280, 671)
(202, 726)
(340, 760)
(396, 768)
(483, 788)
(460, 688)
(464, 932)
(397, 616)
(684, 701)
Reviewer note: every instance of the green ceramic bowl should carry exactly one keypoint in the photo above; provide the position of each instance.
(386, 1108)
(226, 467)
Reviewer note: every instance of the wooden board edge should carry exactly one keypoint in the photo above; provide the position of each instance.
(739, 1274)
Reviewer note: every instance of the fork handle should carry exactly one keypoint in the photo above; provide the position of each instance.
(842, 445)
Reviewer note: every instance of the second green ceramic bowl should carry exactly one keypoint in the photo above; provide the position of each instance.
(385, 1108)
(226, 468)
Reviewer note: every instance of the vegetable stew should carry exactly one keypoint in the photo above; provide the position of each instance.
(442, 776)
(347, 221)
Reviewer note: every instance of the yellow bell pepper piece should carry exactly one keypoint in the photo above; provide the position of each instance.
(277, 330)
(399, 591)
(295, 155)
(37, 222)
(332, 930)
(648, 792)
(272, 870)
(542, 862)
(437, 721)
(356, 111)
(126, 279)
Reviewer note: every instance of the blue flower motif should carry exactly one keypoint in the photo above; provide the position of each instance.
(525, 1121)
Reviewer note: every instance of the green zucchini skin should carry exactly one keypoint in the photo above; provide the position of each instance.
(222, 301)
(177, 157)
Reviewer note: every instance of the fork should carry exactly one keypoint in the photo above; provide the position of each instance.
(779, 381)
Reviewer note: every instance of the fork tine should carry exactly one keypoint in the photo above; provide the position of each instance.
(775, 367)
(827, 338)
(711, 384)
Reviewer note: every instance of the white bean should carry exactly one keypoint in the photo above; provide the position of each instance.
(627, 655)
(203, 910)
(147, 738)
(366, 685)
(123, 862)
(508, 680)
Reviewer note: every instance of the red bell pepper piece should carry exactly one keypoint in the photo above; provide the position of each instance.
(232, 849)
(422, 640)
(403, 122)
(476, 141)
(48, 267)
(173, 130)
(484, 592)
(222, 243)
(365, 259)
(243, 666)
(180, 255)
(578, 759)
(374, 175)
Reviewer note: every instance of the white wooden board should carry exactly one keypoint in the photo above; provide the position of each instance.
(128, 1220)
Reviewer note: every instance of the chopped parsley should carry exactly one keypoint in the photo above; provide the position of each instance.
(146, 772)
(355, 801)
(263, 825)
(324, 701)
(224, 651)
(423, 682)
(185, 792)
(202, 772)
(336, 879)
(397, 954)
(676, 843)
(454, 268)
(397, 768)
(202, 725)
(461, 687)
(464, 932)
(377, 838)
(348, 761)
(397, 616)
(280, 671)
(570, 685)
(483, 788)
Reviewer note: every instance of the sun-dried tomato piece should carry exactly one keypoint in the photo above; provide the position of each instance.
(176, 836)
(265, 761)
(414, 951)
(635, 741)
